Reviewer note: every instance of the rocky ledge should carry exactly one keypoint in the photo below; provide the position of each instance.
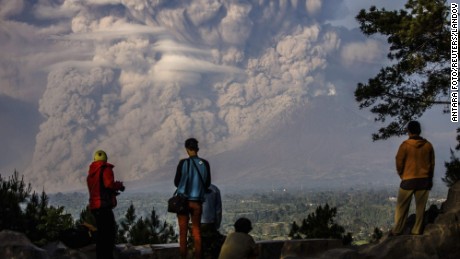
(440, 240)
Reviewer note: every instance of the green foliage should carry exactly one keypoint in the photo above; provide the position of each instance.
(52, 223)
(40, 222)
(376, 236)
(144, 231)
(139, 234)
(162, 232)
(419, 74)
(125, 225)
(320, 224)
(13, 193)
(86, 217)
(452, 170)
(359, 209)
(294, 233)
(44, 223)
(273, 213)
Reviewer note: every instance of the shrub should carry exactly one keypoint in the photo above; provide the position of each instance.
(25, 211)
(452, 170)
(320, 224)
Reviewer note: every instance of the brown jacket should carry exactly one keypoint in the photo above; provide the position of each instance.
(415, 160)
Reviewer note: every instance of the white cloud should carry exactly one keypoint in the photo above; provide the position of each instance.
(203, 11)
(236, 27)
(114, 31)
(67, 9)
(10, 8)
(313, 6)
(104, 2)
(22, 74)
(370, 51)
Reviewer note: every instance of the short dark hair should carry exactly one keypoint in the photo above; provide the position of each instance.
(192, 144)
(243, 225)
(414, 127)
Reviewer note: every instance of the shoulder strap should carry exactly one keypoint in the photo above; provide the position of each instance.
(105, 193)
(199, 173)
(101, 179)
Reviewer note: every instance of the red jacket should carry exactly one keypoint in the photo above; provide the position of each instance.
(102, 194)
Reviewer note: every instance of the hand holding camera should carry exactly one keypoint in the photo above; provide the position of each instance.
(119, 186)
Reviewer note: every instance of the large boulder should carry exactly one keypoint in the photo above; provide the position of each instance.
(58, 250)
(17, 245)
(308, 248)
(441, 237)
(452, 202)
(405, 246)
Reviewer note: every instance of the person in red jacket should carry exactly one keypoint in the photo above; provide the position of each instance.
(103, 190)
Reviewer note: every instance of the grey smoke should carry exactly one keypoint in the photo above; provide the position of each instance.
(136, 78)
(151, 77)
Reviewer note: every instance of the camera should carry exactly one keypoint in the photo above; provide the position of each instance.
(119, 185)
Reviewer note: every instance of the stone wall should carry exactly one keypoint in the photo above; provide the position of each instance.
(267, 249)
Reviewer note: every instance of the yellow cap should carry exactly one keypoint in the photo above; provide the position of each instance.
(100, 155)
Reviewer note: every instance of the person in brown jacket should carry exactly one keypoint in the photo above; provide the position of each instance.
(415, 167)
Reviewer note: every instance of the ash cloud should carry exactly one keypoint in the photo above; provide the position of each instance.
(136, 78)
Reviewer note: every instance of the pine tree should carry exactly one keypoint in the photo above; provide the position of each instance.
(294, 232)
(40, 222)
(452, 170)
(376, 236)
(320, 224)
(32, 214)
(161, 232)
(139, 233)
(13, 193)
(144, 231)
(86, 217)
(419, 74)
(126, 224)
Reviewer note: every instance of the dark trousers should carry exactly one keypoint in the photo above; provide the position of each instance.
(105, 240)
(211, 240)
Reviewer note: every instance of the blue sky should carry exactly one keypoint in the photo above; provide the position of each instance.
(138, 77)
